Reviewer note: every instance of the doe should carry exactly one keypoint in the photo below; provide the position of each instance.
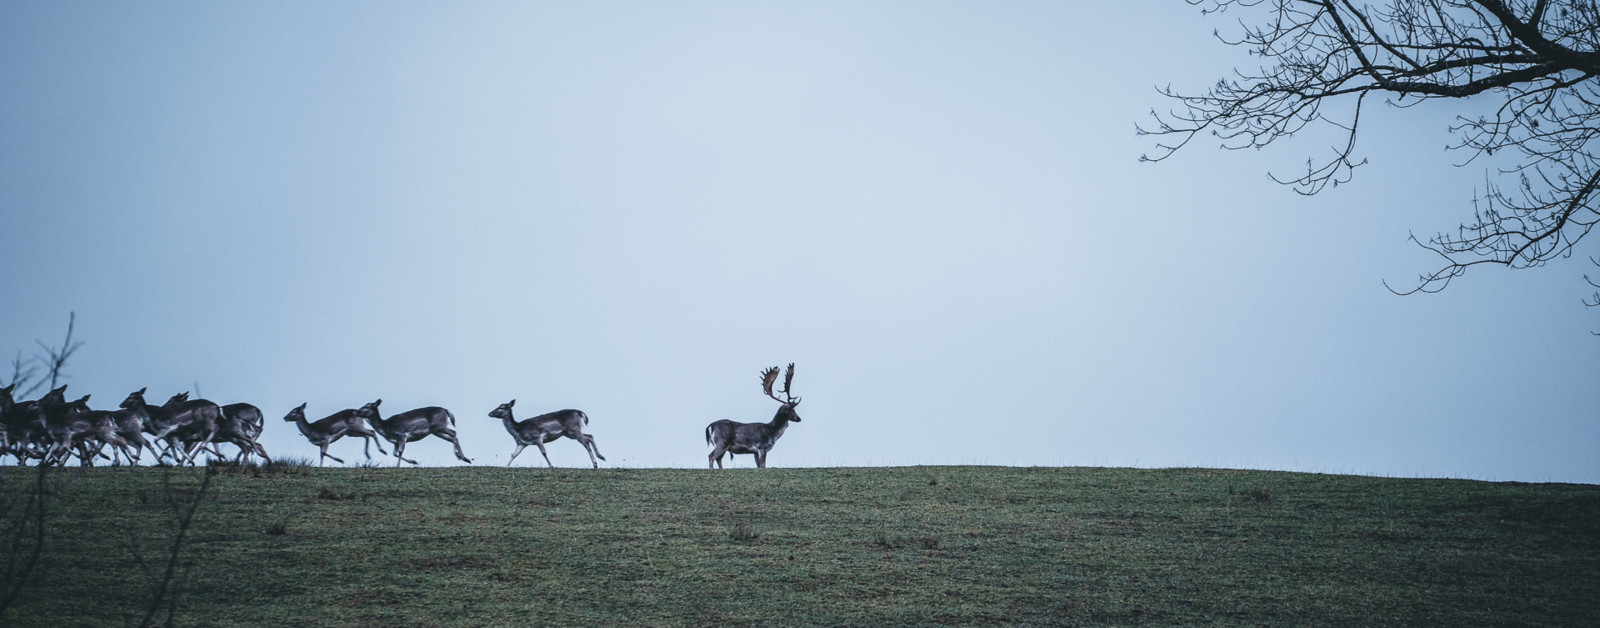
(545, 428)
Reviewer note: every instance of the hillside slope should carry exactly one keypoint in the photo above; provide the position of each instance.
(296, 546)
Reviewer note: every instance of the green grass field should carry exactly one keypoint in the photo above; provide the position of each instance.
(297, 546)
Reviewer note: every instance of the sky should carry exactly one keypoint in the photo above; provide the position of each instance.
(935, 210)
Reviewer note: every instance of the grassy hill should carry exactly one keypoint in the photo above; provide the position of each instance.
(297, 546)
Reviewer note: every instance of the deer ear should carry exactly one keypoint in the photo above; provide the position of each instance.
(141, 390)
(301, 406)
(511, 403)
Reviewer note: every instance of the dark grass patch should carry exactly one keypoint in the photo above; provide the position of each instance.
(1256, 494)
(981, 546)
(742, 533)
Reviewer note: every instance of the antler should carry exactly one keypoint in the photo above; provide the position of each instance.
(788, 378)
(770, 377)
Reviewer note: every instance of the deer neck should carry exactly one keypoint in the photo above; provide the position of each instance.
(304, 425)
(382, 426)
(511, 423)
(141, 413)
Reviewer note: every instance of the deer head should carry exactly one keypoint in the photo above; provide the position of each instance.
(135, 398)
(504, 411)
(296, 415)
(177, 399)
(58, 395)
(369, 411)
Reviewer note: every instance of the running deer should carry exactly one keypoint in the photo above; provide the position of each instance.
(242, 423)
(7, 404)
(754, 438)
(413, 425)
(25, 429)
(191, 421)
(73, 424)
(545, 428)
(331, 428)
(128, 424)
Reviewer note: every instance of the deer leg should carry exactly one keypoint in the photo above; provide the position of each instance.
(588, 445)
(143, 444)
(399, 451)
(371, 439)
(520, 447)
(450, 435)
(715, 459)
(761, 459)
(118, 445)
(51, 455)
(588, 441)
(542, 452)
(194, 450)
(325, 454)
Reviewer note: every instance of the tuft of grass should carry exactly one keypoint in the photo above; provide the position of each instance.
(283, 466)
(1257, 494)
(742, 533)
(327, 492)
(888, 541)
(276, 528)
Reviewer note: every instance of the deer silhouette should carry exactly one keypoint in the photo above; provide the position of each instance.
(545, 428)
(732, 437)
(328, 429)
(413, 425)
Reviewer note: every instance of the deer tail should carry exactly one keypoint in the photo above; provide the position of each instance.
(452, 417)
(585, 416)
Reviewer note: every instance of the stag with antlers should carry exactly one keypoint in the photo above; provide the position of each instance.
(732, 437)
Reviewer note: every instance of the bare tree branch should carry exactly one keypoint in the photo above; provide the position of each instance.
(55, 358)
(1541, 58)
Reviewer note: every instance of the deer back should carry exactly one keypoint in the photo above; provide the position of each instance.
(346, 417)
(197, 413)
(243, 419)
(422, 419)
(557, 422)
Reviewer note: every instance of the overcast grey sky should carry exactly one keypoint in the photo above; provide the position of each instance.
(935, 209)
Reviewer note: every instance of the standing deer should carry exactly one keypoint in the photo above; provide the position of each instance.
(545, 428)
(413, 425)
(754, 438)
(331, 428)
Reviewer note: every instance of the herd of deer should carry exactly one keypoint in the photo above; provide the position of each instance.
(52, 430)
